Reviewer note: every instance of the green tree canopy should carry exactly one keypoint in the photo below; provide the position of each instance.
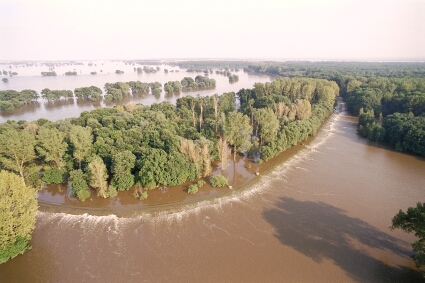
(413, 221)
(16, 150)
(81, 139)
(237, 132)
(18, 208)
(51, 145)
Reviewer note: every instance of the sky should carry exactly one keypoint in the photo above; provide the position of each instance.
(366, 30)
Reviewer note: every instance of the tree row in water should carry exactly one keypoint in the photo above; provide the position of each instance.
(115, 149)
(10, 99)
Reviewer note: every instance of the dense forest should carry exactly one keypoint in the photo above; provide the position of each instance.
(388, 97)
(142, 147)
(390, 110)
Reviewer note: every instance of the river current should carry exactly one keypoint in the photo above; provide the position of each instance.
(320, 216)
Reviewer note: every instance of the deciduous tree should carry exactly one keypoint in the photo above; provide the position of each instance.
(18, 208)
(16, 150)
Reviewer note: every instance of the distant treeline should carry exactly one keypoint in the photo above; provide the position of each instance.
(142, 147)
(338, 70)
(48, 74)
(143, 62)
(210, 64)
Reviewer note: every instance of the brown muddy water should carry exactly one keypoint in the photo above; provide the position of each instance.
(320, 216)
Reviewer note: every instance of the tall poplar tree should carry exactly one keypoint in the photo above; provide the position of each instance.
(81, 139)
(238, 132)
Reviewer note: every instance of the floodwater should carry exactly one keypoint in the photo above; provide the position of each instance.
(320, 216)
(30, 78)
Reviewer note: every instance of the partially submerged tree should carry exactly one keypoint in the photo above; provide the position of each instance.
(98, 176)
(78, 183)
(238, 132)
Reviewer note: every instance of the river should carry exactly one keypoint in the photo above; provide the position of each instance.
(320, 216)
(30, 78)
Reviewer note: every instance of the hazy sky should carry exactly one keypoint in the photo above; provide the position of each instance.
(266, 29)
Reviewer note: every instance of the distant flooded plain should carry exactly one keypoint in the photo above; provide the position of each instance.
(30, 78)
(320, 216)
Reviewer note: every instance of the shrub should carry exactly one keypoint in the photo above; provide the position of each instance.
(17, 248)
(112, 191)
(82, 195)
(78, 183)
(151, 185)
(53, 175)
(218, 181)
(193, 189)
(143, 195)
(201, 183)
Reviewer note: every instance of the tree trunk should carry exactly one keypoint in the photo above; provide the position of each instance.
(192, 107)
(200, 117)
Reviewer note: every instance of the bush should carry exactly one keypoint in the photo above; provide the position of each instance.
(17, 248)
(151, 185)
(112, 191)
(193, 189)
(79, 185)
(201, 183)
(143, 195)
(53, 175)
(83, 195)
(218, 181)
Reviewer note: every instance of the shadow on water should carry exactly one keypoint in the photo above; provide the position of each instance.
(324, 232)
